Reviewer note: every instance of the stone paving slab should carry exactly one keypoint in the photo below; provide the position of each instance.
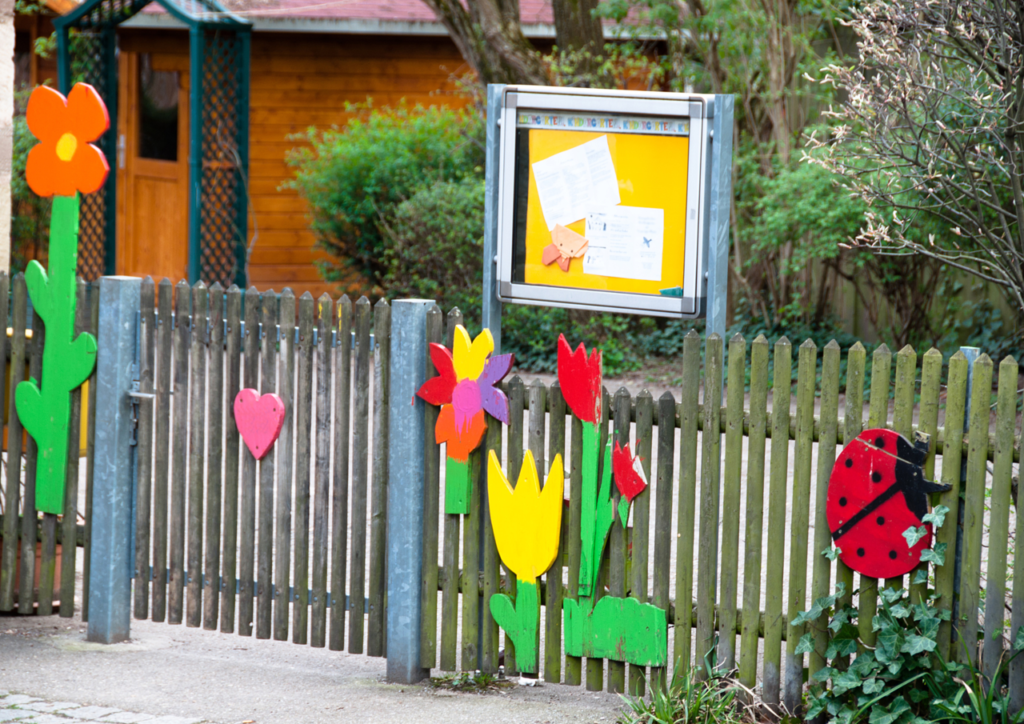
(32, 710)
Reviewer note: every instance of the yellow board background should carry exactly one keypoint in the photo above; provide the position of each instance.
(651, 171)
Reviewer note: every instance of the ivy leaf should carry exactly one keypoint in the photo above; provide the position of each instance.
(817, 706)
(841, 647)
(900, 611)
(872, 686)
(865, 664)
(916, 644)
(920, 576)
(889, 641)
(1018, 642)
(892, 595)
(929, 628)
(831, 554)
(936, 555)
(937, 517)
(823, 675)
(913, 534)
(844, 682)
(806, 644)
(888, 715)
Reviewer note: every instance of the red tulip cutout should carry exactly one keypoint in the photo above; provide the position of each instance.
(580, 380)
(629, 478)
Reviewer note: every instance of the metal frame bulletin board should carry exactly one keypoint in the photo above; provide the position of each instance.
(607, 200)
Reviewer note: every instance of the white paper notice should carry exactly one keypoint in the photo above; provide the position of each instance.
(625, 242)
(573, 181)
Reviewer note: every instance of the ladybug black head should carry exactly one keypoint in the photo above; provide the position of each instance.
(910, 476)
(915, 454)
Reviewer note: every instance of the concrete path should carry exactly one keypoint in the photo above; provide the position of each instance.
(176, 675)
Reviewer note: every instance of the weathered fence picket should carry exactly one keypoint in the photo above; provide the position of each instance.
(283, 503)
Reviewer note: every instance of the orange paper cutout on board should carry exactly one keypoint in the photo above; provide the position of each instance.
(64, 161)
(565, 245)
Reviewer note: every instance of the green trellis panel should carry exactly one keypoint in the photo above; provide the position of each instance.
(218, 126)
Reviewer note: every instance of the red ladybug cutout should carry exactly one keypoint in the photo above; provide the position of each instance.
(877, 490)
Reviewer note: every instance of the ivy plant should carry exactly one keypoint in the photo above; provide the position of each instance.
(902, 678)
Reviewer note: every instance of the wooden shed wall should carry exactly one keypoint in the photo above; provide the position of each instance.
(304, 80)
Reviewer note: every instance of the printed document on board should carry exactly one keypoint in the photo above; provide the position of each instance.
(571, 182)
(625, 242)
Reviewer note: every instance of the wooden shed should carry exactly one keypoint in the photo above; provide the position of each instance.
(308, 60)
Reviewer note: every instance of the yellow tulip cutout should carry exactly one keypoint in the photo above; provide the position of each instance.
(527, 524)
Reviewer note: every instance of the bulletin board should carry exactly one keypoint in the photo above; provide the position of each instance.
(647, 196)
(601, 200)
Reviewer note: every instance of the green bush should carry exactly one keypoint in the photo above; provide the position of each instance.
(354, 178)
(434, 245)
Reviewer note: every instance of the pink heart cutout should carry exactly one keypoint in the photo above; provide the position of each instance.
(259, 420)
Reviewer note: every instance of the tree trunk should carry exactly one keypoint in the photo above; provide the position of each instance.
(576, 29)
(6, 127)
(490, 38)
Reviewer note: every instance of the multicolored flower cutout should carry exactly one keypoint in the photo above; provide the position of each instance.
(465, 388)
(64, 161)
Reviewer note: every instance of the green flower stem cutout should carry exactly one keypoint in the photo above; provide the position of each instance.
(621, 629)
(520, 620)
(45, 406)
(63, 164)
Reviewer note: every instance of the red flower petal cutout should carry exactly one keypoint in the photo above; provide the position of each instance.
(628, 471)
(87, 115)
(46, 114)
(42, 170)
(88, 170)
(580, 380)
(438, 390)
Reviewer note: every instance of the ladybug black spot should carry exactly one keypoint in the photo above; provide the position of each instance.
(849, 462)
(876, 477)
(860, 552)
(880, 442)
(880, 520)
(892, 555)
(842, 501)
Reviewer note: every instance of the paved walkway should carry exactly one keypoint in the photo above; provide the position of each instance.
(32, 710)
(178, 675)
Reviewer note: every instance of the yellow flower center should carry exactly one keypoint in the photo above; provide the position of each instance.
(66, 147)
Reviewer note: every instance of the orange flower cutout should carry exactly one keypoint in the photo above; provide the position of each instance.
(65, 161)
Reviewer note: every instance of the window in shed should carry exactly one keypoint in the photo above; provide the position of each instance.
(158, 111)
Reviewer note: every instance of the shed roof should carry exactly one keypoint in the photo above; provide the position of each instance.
(392, 17)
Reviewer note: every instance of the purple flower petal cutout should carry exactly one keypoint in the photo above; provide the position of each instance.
(493, 399)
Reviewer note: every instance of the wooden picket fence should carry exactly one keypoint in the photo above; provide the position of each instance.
(35, 577)
(684, 543)
(281, 545)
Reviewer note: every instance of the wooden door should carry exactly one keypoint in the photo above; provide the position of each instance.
(152, 213)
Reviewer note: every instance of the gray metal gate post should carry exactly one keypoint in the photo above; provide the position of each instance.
(492, 306)
(405, 489)
(720, 206)
(110, 581)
